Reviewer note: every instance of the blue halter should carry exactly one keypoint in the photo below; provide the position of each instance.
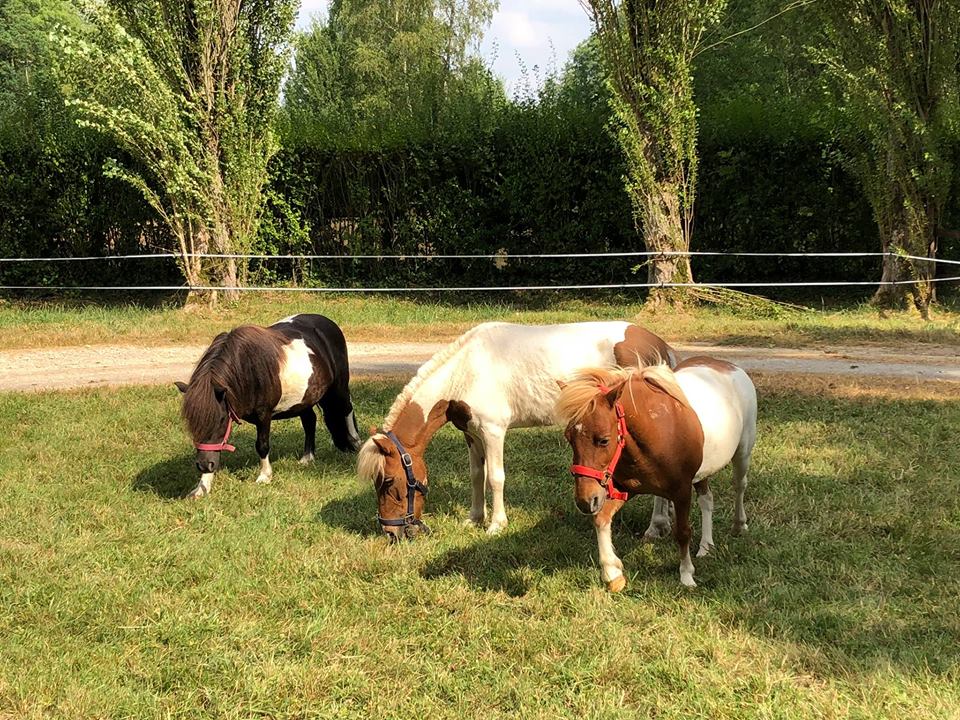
(408, 521)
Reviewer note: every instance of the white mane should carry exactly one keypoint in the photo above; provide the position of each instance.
(426, 370)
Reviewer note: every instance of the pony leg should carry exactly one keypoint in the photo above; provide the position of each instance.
(705, 501)
(339, 418)
(741, 463)
(202, 488)
(493, 455)
(478, 504)
(263, 450)
(681, 531)
(611, 567)
(308, 418)
(659, 521)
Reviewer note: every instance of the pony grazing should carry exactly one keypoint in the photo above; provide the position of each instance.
(496, 376)
(661, 431)
(261, 374)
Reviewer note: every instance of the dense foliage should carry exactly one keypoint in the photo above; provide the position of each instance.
(396, 139)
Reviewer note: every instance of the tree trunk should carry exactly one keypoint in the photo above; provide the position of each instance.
(894, 269)
(663, 231)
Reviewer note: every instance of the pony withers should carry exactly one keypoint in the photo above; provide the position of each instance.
(260, 374)
(496, 376)
(661, 431)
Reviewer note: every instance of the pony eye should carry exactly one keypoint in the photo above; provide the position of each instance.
(603, 442)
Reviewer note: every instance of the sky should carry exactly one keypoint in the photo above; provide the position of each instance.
(540, 33)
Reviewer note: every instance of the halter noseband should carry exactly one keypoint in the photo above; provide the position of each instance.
(605, 477)
(223, 444)
(413, 486)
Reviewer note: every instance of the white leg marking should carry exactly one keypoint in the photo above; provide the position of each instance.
(493, 447)
(478, 502)
(203, 487)
(306, 459)
(740, 466)
(686, 570)
(352, 428)
(266, 471)
(705, 501)
(659, 520)
(611, 567)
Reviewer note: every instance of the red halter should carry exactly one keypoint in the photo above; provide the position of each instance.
(223, 444)
(605, 478)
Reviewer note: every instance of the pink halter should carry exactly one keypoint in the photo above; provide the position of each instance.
(605, 478)
(223, 444)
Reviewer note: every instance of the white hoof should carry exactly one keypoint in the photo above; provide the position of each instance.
(705, 550)
(306, 459)
(739, 528)
(198, 492)
(496, 527)
(617, 584)
(686, 579)
(264, 479)
(655, 533)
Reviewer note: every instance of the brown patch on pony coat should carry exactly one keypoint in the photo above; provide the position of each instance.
(639, 345)
(721, 366)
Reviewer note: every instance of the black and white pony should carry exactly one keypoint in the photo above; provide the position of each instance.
(260, 374)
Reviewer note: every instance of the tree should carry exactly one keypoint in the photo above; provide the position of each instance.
(648, 48)
(382, 73)
(894, 67)
(189, 89)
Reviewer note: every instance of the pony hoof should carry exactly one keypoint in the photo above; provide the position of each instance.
(617, 584)
(654, 534)
(473, 523)
(198, 492)
(704, 550)
(495, 528)
(263, 479)
(306, 459)
(687, 581)
(740, 528)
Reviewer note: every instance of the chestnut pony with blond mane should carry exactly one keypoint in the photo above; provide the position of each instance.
(496, 376)
(661, 431)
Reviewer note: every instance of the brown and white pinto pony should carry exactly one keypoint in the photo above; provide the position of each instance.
(261, 374)
(658, 431)
(496, 376)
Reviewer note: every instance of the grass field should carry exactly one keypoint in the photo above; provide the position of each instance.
(118, 600)
(385, 318)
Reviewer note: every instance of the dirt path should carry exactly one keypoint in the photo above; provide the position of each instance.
(101, 365)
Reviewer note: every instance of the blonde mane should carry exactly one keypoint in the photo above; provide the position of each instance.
(370, 461)
(579, 396)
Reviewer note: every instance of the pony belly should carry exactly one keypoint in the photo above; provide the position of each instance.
(296, 369)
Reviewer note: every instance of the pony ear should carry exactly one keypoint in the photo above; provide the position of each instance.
(561, 384)
(458, 412)
(182, 387)
(613, 395)
(382, 443)
(373, 430)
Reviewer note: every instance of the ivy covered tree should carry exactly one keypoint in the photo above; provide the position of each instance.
(895, 67)
(648, 48)
(189, 89)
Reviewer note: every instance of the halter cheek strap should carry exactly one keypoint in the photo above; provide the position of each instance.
(223, 444)
(605, 477)
(414, 486)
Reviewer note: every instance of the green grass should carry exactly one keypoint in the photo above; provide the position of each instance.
(118, 600)
(26, 324)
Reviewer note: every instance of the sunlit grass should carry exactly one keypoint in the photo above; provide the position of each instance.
(119, 600)
(378, 317)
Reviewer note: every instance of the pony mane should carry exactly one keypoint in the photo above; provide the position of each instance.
(579, 396)
(370, 461)
(426, 370)
(236, 363)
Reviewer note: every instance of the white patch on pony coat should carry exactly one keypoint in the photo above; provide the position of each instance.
(266, 471)
(295, 372)
(203, 487)
(726, 404)
(289, 318)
